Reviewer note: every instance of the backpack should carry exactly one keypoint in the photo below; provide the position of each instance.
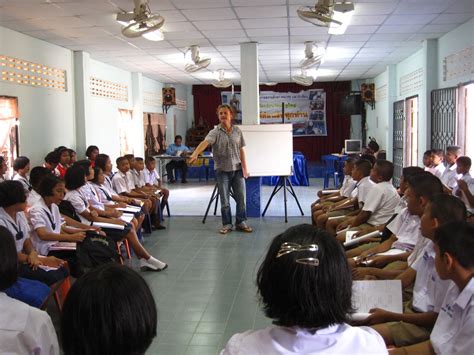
(96, 250)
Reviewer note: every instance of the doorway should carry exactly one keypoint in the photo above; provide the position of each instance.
(9, 121)
(411, 132)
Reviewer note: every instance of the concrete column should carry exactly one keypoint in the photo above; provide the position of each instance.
(430, 67)
(137, 104)
(81, 97)
(249, 83)
(391, 98)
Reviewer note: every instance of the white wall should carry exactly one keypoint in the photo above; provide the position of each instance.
(46, 115)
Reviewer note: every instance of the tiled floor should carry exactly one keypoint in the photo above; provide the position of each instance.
(208, 292)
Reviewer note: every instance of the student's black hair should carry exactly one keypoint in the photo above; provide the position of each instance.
(447, 208)
(138, 159)
(454, 149)
(37, 174)
(374, 146)
(294, 294)
(428, 152)
(8, 259)
(425, 184)
(457, 239)
(86, 164)
(178, 137)
(410, 171)
(369, 157)
(51, 158)
(438, 152)
(2, 159)
(149, 159)
(384, 169)
(71, 151)
(119, 160)
(129, 156)
(110, 310)
(97, 171)
(11, 192)
(90, 149)
(47, 184)
(101, 160)
(60, 150)
(20, 163)
(75, 177)
(364, 166)
(464, 161)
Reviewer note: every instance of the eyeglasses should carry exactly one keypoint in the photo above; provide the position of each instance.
(287, 248)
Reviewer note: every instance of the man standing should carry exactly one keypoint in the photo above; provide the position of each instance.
(178, 151)
(228, 145)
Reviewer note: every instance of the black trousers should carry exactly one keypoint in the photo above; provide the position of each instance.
(176, 165)
(47, 277)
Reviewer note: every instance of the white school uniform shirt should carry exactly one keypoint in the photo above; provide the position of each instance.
(49, 218)
(418, 250)
(108, 181)
(151, 177)
(104, 193)
(122, 182)
(363, 188)
(335, 339)
(25, 329)
(24, 182)
(470, 185)
(429, 290)
(450, 177)
(79, 203)
(20, 224)
(453, 330)
(91, 196)
(138, 178)
(406, 227)
(348, 185)
(439, 170)
(33, 198)
(382, 200)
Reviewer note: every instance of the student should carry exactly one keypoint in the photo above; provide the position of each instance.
(75, 179)
(454, 260)
(464, 188)
(152, 178)
(51, 161)
(119, 317)
(450, 176)
(36, 175)
(428, 161)
(3, 168)
(64, 159)
(437, 161)
(12, 217)
(21, 166)
(429, 290)
(23, 329)
(72, 156)
(308, 305)
(381, 201)
(92, 152)
(179, 163)
(103, 161)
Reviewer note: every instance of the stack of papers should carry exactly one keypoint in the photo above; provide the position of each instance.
(108, 225)
(350, 240)
(63, 246)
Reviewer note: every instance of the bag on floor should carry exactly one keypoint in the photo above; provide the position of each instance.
(96, 250)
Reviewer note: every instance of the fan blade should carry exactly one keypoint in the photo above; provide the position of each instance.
(303, 80)
(316, 16)
(139, 28)
(222, 83)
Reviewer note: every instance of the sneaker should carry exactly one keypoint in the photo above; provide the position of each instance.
(225, 229)
(244, 227)
(152, 264)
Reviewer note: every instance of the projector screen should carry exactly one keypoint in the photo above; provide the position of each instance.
(269, 149)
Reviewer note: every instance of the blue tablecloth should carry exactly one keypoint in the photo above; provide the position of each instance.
(300, 172)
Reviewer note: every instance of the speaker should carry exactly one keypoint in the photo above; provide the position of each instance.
(169, 96)
(367, 92)
(351, 104)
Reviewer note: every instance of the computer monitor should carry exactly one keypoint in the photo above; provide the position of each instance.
(352, 146)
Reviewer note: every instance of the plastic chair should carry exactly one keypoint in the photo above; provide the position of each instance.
(330, 170)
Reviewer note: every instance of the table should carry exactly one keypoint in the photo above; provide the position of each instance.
(163, 158)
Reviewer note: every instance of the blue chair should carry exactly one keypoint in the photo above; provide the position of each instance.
(331, 166)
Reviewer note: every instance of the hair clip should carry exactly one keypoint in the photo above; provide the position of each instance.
(287, 248)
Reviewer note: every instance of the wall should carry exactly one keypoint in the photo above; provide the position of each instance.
(46, 115)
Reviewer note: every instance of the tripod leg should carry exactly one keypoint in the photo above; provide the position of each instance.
(213, 196)
(275, 190)
(284, 197)
(294, 195)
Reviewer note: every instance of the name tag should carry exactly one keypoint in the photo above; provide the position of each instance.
(448, 309)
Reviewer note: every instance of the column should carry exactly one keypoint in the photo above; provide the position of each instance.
(137, 104)
(391, 98)
(81, 97)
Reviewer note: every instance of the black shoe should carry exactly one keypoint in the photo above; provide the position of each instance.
(158, 227)
(172, 181)
(184, 181)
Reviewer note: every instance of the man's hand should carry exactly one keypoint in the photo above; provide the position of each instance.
(245, 173)
(192, 159)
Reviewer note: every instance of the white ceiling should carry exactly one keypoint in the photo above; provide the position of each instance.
(381, 32)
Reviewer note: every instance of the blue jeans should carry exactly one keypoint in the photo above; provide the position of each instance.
(225, 181)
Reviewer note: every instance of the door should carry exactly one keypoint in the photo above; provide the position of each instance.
(398, 138)
(443, 118)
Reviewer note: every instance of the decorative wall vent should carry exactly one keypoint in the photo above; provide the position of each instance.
(381, 93)
(108, 89)
(181, 105)
(411, 82)
(152, 98)
(458, 64)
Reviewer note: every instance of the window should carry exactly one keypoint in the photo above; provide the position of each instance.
(465, 124)
(9, 129)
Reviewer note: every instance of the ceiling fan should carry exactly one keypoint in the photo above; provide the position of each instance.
(142, 22)
(311, 58)
(222, 82)
(197, 63)
(303, 78)
(320, 15)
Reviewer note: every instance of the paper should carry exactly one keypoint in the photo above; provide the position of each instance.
(63, 246)
(327, 192)
(359, 316)
(108, 225)
(336, 217)
(385, 294)
(126, 217)
(392, 252)
(361, 239)
(350, 235)
(47, 268)
(129, 209)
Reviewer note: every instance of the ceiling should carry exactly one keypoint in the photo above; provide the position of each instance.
(381, 32)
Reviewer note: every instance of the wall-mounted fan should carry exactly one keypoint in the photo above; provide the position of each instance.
(320, 14)
(311, 58)
(197, 63)
(141, 22)
(303, 79)
(222, 82)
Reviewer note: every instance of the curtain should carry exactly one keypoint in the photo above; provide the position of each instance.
(207, 98)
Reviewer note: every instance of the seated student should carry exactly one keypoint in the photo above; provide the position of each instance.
(152, 178)
(345, 191)
(103, 161)
(21, 166)
(64, 159)
(12, 217)
(178, 150)
(406, 173)
(428, 161)
(450, 176)
(36, 175)
(454, 260)
(75, 179)
(360, 174)
(437, 162)
(380, 203)
(51, 161)
(72, 156)
(415, 324)
(92, 152)
(119, 317)
(3, 168)
(308, 305)
(23, 329)
(464, 188)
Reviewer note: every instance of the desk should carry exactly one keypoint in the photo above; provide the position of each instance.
(163, 158)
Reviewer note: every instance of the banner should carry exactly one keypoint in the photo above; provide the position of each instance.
(306, 110)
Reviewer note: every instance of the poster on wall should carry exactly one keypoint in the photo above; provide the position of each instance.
(154, 130)
(306, 110)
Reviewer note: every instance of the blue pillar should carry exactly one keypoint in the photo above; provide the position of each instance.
(253, 195)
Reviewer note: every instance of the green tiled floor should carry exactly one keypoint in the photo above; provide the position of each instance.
(208, 292)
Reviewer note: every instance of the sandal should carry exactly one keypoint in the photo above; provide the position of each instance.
(225, 230)
(244, 228)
